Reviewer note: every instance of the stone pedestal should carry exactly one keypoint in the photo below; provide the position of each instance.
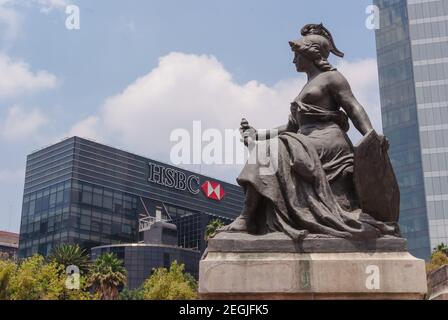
(438, 284)
(240, 266)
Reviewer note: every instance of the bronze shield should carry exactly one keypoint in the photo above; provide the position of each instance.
(375, 180)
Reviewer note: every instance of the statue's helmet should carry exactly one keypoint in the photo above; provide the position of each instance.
(316, 35)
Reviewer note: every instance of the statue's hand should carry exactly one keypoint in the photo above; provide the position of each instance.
(248, 133)
(385, 145)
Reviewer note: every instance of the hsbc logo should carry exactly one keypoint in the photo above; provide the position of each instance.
(213, 190)
(179, 180)
(173, 178)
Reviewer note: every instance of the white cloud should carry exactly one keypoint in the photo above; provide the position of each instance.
(21, 124)
(17, 78)
(9, 20)
(10, 17)
(184, 88)
(49, 5)
(86, 128)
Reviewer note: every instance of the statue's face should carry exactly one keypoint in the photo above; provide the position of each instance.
(300, 61)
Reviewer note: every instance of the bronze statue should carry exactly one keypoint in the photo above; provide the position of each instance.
(313, 191)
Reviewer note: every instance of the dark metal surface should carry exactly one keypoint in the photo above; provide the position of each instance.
(279, 242)
(312, 189)
(375, 181)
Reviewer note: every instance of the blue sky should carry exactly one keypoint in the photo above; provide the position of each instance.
(57, 82)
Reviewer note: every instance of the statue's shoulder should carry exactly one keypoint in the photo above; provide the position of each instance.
(336, 79)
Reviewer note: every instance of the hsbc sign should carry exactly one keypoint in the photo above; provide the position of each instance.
(179, 180)
(213, 190)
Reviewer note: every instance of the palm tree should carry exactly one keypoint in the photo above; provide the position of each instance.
(107, 276)
(71, 255)
(212, 228)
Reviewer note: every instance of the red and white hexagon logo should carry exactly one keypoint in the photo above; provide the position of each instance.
(213, 190)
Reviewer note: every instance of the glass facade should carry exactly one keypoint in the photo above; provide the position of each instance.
(412, 48)
(79, 191)
(141, 260)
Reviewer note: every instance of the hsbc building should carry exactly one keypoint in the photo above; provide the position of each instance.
(80, 191)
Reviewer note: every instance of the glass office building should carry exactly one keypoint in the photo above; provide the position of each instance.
(140, 260)
(412, 48)
(79, 191)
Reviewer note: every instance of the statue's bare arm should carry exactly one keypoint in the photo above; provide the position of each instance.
(342, 92)
(249, 132)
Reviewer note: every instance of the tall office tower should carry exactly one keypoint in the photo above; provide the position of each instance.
(412, 48)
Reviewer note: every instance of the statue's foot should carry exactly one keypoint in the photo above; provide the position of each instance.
(239, 225)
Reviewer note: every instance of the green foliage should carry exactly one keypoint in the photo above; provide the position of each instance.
(212, 228)
(107, 276)
(441, 248)
(7, 269)
(71, 255)
(439, 258)
(81, 294)
(37, 280)
(136, 294)
(172, 284)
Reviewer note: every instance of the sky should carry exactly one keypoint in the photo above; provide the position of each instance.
(136, 70)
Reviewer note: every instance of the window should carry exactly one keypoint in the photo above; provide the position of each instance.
(107, 229)
(45, 203)
(43, 227)
(86, 197)
(74, 221)
(126, 228)
(75, 196)
(116, 228)
(85, 220)
(52, 200)
(42, 250)
(166, 260)
(107, 203)
(96, 214)
(32, 205)
(26, 208)
(128, 205)
(59, 197)
(95, 227)
(97, 200)
(66, 196)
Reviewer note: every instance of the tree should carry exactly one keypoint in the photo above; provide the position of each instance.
(136, 294)
(442, 248)
(81, 294)
(439, 258)
(212, 228)
(37, 280)
(7, 269)
(71, 255)
(172, 284)
(107, 276)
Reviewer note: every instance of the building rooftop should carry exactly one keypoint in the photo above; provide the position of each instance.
(9, 239)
